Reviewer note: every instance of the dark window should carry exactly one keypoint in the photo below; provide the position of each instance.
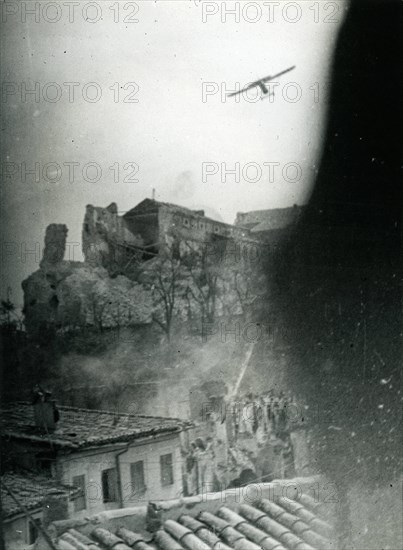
(167, 473)
(186, 222)
(109, 485)
(32, 531)
(79, 501)
(137, 478)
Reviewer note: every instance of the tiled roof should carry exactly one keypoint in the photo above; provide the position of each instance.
(263, 524)
(29, 489)
(151, 204)
(79, 428)
(268, 220)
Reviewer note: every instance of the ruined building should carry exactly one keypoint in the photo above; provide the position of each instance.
(157, 221)
(64, 293)
(117, 240)
(107, 240)
(104, 290)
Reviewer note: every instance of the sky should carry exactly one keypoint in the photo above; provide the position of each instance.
(138, 116)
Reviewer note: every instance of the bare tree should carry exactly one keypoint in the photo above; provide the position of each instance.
(204, 281)
(166, 277)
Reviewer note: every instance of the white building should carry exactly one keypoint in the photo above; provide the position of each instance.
(117, 460)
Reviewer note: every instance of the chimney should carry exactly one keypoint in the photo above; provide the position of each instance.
(153, 194)
(45, 411)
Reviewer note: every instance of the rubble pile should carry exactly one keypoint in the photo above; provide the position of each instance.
(255, 438)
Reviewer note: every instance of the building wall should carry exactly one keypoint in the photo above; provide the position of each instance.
(91, 465)
(103, 228)
(144, 224)
(189, 226)
(150, 224)
(16, 531)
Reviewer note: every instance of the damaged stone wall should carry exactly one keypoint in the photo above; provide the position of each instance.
(55, 244)
(107, 241)
(64, 293)
(195, 228)
(113, 287)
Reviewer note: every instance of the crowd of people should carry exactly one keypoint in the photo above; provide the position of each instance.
(248, 440)
(211, 465)
(263, 415)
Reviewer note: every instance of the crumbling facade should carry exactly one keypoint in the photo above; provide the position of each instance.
(109, 289)
(158, 222)
(63, 293)
(118, 240)
(107, 241)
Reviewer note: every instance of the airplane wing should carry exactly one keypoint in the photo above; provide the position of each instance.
(260, 83)
(252, 85)
(268, 78)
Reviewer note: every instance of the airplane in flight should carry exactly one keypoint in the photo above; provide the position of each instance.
(261, 83)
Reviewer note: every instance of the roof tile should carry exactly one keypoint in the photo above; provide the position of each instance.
(260, 525)
(281, 533)
(31, 490)
(294, 523)
(320, 526)
(231, 536)
(64, 545)
(79, 428)
(265, 541)
(166, 542)
(252, 533)
(75, 543)
(203, 533)
(108, 539)
(134, 540)
(185, 536)
(263, 521)
(83, 539)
